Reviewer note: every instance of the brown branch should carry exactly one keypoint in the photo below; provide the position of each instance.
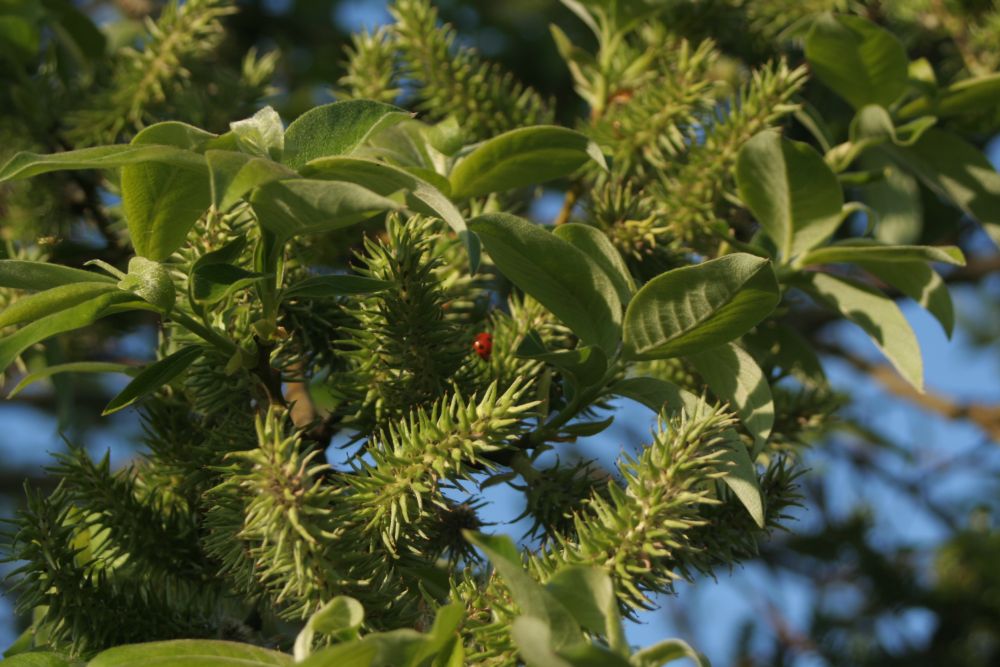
(975, 270)
(568, 203)
(986, 417)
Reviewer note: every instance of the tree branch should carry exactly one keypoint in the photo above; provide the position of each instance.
(986, 417)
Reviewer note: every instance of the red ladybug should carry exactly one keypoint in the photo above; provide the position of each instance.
(483, 345)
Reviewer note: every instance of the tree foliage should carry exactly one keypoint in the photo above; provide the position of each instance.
(329, 277)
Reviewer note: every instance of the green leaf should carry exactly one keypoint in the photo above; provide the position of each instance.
(534, 642)
(561, 277)
(386, 179)
(858, 250)
(71, 318)
(596, 245)
(151, 282)
(589, 594)
(340, 615)
(872, 125)
(26, 164)
(153, 377)
(341, 618)
(955, 170)
(214, 278)
(964, 97)
(666, 652)
(896, 199)
(586, 429)
(741, 477)
(51, 301)
(790, 190)
(304, 206)
(658, 395)
(325, 287)
(586, 365)
(734, 376)
(72, 367)
(782, 346)
(36, 659)
(190, 653)
(262, 134)
(592, 655)
(23, 274)
(20, 31)
(919, 282)
(693, 308)
(358, 653)
(212, 283)
(234, 174)
(177, 134)
(443, 640)
(533, 638)
(879, 316)
(162, 202)
(521, 157)
(858, 60)
(533, 600)
(337, 129)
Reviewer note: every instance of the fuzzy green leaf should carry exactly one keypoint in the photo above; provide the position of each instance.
(879, 316)
(860, 250)
(26, 164)
(734, 376)
(325, 287)
(694, 308)
(262, 134)
(790, 190)
(589, 594)
(178, 134)
(190, 653)
(919, 282)
(71, 318)
(596, 245)
(521, 157)
(151, 282)
(340, 618)
(337, 129)
(858, 60)
(304, 206)
(72, 367)
(358, 653)
(560, 276)
(162, 202)
(23, 274)
(342, 614)
(234, 174)
(530, 596)
(153, 377)
(51, 301)
(666, 652)
(36, 659)
(386, 179)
